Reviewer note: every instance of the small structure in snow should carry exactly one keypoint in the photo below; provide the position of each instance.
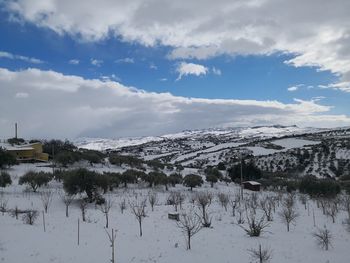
(174, 216)
(251, 185)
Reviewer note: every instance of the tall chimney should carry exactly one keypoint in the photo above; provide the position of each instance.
(16, 130)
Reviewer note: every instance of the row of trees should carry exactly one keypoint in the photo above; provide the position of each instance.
(93, 184)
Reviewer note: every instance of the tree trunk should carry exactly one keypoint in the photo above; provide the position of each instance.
(140, 224)
(189, 240)
(66, 210)
(106, 220)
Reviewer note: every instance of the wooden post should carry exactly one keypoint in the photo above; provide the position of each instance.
(44, 221)
(78, 231)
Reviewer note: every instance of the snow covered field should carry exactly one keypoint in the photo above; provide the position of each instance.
(162, 240)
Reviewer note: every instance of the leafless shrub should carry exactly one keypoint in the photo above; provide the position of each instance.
(203, 201)
(323, 238)
(16, 212)
(153, 199)
(46, 199)
(83, 206)
(122, 206)
(30, 216)
(190, 224)
(288, 213)
(224, 200)
(255, 227)
(138, 209)
(67, 200)
(261, 255)
(105, 207)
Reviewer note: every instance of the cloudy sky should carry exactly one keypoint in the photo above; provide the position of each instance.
(115, 68)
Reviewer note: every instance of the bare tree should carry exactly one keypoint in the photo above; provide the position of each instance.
(3, 204)
(224, 200)
(105, 207)
(46, 199)
(190, 224)
(67, 200)
(255, 227)
(346, 204)
(332, 211)
(346, 223)
(15, 212)
(112, 238)
(83, 206)
(266, 205)
(203, 202)
(260, 254)
(153, 199)
(288, 213)
(303, 200)
(240, 219)
(323, 202)
(138, 209)
(122, 206)
(234, 204)
(323, 238)
(176, 199)
(30, 216)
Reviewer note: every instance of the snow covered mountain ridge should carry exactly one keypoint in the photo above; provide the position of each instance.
(265, 132)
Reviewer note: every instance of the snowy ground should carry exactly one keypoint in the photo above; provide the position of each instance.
(162, 241)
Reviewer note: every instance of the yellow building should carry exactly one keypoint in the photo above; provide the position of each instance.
(28, 152)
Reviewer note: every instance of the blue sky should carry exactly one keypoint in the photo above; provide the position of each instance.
(232, 73)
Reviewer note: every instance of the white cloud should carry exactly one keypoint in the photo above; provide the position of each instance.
(65, 106)
(153, 66)
(125, 60)
(21, 95)
(96, 62)
(74, 61)
(112, 77)
(4, 54)
(315, 32)
(216, 71)
(293, 88)
(185, 69)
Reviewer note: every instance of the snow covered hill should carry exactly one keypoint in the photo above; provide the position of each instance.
(319, 152)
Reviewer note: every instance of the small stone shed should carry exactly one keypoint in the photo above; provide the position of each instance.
(252, 185)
